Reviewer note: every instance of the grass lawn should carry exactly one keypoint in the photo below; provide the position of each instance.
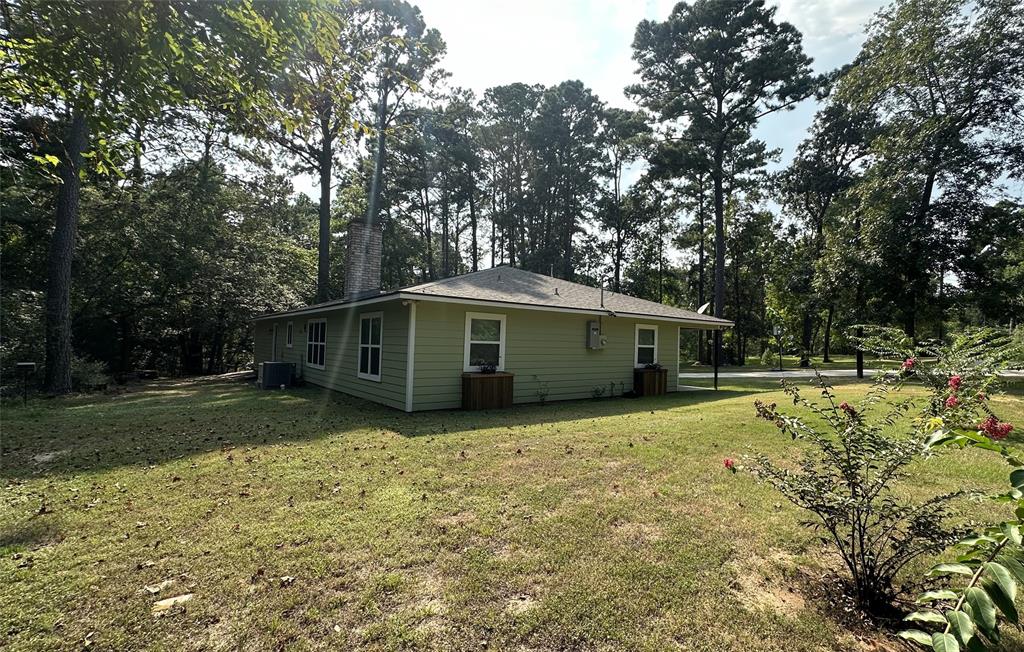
(302, 519)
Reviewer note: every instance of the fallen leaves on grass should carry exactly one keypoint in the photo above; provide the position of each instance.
(166, 604)
(153, 589)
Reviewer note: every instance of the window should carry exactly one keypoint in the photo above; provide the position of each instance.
(370, 338)
(316, 343)
(273, 344)
(485, 341)
(646, 345)
(288, 335)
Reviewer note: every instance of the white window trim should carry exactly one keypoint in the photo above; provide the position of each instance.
(289, 335)
(470, 316)
(309, 329)
(636, 344)
(359, 346)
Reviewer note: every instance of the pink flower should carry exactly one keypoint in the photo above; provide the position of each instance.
(954, 382)
(981, 396)
(908, 364)
(730, 464)
(848, 409)
(952, 402)
(994, 428)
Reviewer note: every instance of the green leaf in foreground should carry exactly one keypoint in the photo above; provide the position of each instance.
(982, 608)
(917, 636)
(1002, 577)
(1001, 600)
(927, 617)
(946, 569)
(931, 596)
(944, 643)
(962, 626)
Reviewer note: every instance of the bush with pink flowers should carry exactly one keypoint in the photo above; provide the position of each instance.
(849, 479)
(975, 593)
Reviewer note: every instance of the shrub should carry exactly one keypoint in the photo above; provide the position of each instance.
(847, 481)
(88, 375)
(768, 358)
(970, 595)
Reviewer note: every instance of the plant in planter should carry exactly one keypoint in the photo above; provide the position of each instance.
(848, 480)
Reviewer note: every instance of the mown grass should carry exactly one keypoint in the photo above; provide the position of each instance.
(303, 519)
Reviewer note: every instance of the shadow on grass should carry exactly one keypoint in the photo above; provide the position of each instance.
(27, 535)
(167, 420)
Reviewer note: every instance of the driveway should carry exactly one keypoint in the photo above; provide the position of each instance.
(801, 373)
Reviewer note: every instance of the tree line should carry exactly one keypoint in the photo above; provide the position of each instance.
(148, 149)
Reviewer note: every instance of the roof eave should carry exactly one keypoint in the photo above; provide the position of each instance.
(711, 323)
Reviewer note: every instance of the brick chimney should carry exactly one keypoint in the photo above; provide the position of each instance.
(362, 262)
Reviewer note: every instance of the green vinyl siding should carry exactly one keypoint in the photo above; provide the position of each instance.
(541, 348)
(342, 351)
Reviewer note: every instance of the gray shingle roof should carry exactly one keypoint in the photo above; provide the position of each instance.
(518, 286)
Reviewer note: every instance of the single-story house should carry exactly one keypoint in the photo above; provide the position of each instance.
(409, 348)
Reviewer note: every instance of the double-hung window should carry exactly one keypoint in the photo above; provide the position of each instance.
(646, 350)
(288, 335)
(485, 341)
(370, 340)
(316, 343)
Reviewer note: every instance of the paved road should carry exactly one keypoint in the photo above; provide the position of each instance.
(799, 373)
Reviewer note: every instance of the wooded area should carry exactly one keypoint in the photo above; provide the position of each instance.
(148, 150)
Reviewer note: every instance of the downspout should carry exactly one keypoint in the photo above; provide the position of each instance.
(410, 356)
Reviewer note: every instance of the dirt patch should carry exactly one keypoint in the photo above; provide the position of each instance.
(638, 533)
(763, 584)
(519, 604)
(457, 519)
(48, 456)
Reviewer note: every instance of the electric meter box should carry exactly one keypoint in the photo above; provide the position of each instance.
(595, 340)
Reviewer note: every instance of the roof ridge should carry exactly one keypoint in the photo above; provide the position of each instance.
(439, 281)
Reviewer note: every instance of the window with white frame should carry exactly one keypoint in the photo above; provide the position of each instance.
(485, 341)
(273, 343)
(646, 345)
(371, 338)
(316, 343)
(288, 335)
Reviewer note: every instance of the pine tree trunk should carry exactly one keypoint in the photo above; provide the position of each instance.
(373, 200)
(702, 356)
(827, 343)
(323, 262)
(62, 252)
(472, 221)
(719, 240)
(918, 284)
(807, 337)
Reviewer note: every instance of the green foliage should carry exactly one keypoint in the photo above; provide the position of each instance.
(974, 356)
(88, 375)
(849, 481)
(973, 594)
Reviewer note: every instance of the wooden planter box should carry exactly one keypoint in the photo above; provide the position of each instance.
(650, 382)
(486, 391)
